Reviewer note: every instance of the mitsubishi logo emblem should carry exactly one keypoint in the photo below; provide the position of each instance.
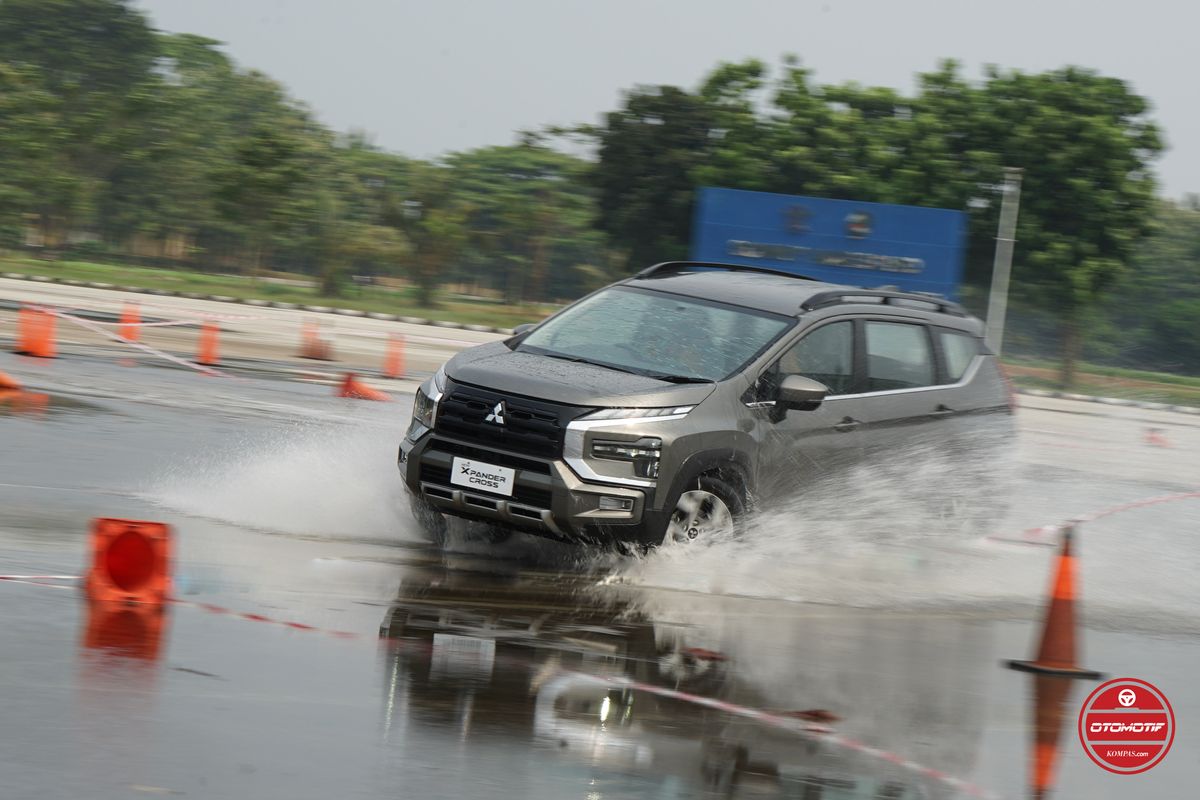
(497, 415)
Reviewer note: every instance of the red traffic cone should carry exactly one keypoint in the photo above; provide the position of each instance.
(1056, 653)
(130, 562)
(9, 383)
(353, 388)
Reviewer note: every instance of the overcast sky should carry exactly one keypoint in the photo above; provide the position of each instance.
(427, 77)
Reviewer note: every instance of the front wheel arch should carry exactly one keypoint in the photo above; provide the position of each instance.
(730, 466)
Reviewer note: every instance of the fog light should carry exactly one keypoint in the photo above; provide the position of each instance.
(616, 504)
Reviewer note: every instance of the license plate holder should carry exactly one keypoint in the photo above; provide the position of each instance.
(483, 477)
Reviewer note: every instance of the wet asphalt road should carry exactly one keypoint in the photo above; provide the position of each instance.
(458, 671)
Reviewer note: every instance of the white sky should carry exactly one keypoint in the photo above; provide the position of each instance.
(427, 77)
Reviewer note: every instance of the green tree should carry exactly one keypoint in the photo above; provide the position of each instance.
(96, 59)
(648, 152)
(1149, 322)
(1086, 146)
(530, 216)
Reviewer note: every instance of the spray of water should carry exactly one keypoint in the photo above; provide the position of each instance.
(314, 479)
(903, 527)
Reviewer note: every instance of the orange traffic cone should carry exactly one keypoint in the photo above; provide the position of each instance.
(20, 402)
(393, 360)
(207, 353)
(130, 562)
(312, 345)
(1050, 694)
(1056, 653)
(1156, 437)
(131, 323)
(351, 387)
(9, 383)
(126, 630)
(36, 333)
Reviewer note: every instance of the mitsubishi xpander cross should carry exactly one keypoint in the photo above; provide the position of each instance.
(663, 407)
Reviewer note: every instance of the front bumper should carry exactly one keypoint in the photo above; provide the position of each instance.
(548, 498)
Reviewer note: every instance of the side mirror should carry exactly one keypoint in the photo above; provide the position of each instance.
(524, 328)
(801, 393)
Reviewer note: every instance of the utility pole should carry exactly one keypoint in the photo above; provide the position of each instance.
(1002, 265)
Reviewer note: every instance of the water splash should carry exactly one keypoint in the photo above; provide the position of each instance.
(307, 478)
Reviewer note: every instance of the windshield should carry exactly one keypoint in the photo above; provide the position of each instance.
(657, 334)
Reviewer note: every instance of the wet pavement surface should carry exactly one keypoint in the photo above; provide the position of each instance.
(812, 658)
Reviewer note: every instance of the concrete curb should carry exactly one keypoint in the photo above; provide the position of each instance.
(1110, 401)
(220, 298)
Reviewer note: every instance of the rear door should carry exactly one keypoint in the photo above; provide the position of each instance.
(902, 405)
(800, 449)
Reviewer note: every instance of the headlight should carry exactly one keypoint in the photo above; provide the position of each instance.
(639, 413)
(644, 453)
(425, 405)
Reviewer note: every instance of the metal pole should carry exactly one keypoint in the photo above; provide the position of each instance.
(1002, 265)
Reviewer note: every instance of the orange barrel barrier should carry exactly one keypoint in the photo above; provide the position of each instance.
(130, 562)
(393, 360)
(353, 388)
(1056, 653)
(207, 354)
(130, 328)
(35, 335)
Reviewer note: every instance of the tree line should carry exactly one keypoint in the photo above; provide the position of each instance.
(133, 144)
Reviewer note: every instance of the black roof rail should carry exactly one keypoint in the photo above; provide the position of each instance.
(673, 266)
(886, 297)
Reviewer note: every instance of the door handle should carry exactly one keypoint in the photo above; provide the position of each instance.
(846, 425)
(941, 412)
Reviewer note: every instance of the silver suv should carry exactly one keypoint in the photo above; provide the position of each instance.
(663, 407)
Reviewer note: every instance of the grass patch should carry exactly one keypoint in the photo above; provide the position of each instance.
(1130, 384)
(284, 288)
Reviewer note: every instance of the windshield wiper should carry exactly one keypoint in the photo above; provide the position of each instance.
(676, 378)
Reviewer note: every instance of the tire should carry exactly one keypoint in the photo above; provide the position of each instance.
(431, 521)
(707, 508)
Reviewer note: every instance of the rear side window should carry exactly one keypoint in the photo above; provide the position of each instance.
(898, 356)
(826, 355)
(959, 351)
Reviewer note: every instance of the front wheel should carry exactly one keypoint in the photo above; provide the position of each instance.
(708, 509)
(431, 521)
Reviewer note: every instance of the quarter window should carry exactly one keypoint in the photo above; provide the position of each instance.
(898, 356)
(959, 351)
(826, 355)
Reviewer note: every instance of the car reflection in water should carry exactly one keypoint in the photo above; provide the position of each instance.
(487, 655)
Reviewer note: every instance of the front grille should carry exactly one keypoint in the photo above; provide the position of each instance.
(530, 496)
(531, 427)
(490, 456)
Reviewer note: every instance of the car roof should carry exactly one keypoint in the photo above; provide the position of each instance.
(785, 293)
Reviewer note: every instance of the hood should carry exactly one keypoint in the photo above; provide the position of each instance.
(493, 366)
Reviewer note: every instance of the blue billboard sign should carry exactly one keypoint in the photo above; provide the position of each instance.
(838, 241)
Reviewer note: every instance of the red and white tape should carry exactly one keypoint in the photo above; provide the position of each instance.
(1041, 535)
(95, 328)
